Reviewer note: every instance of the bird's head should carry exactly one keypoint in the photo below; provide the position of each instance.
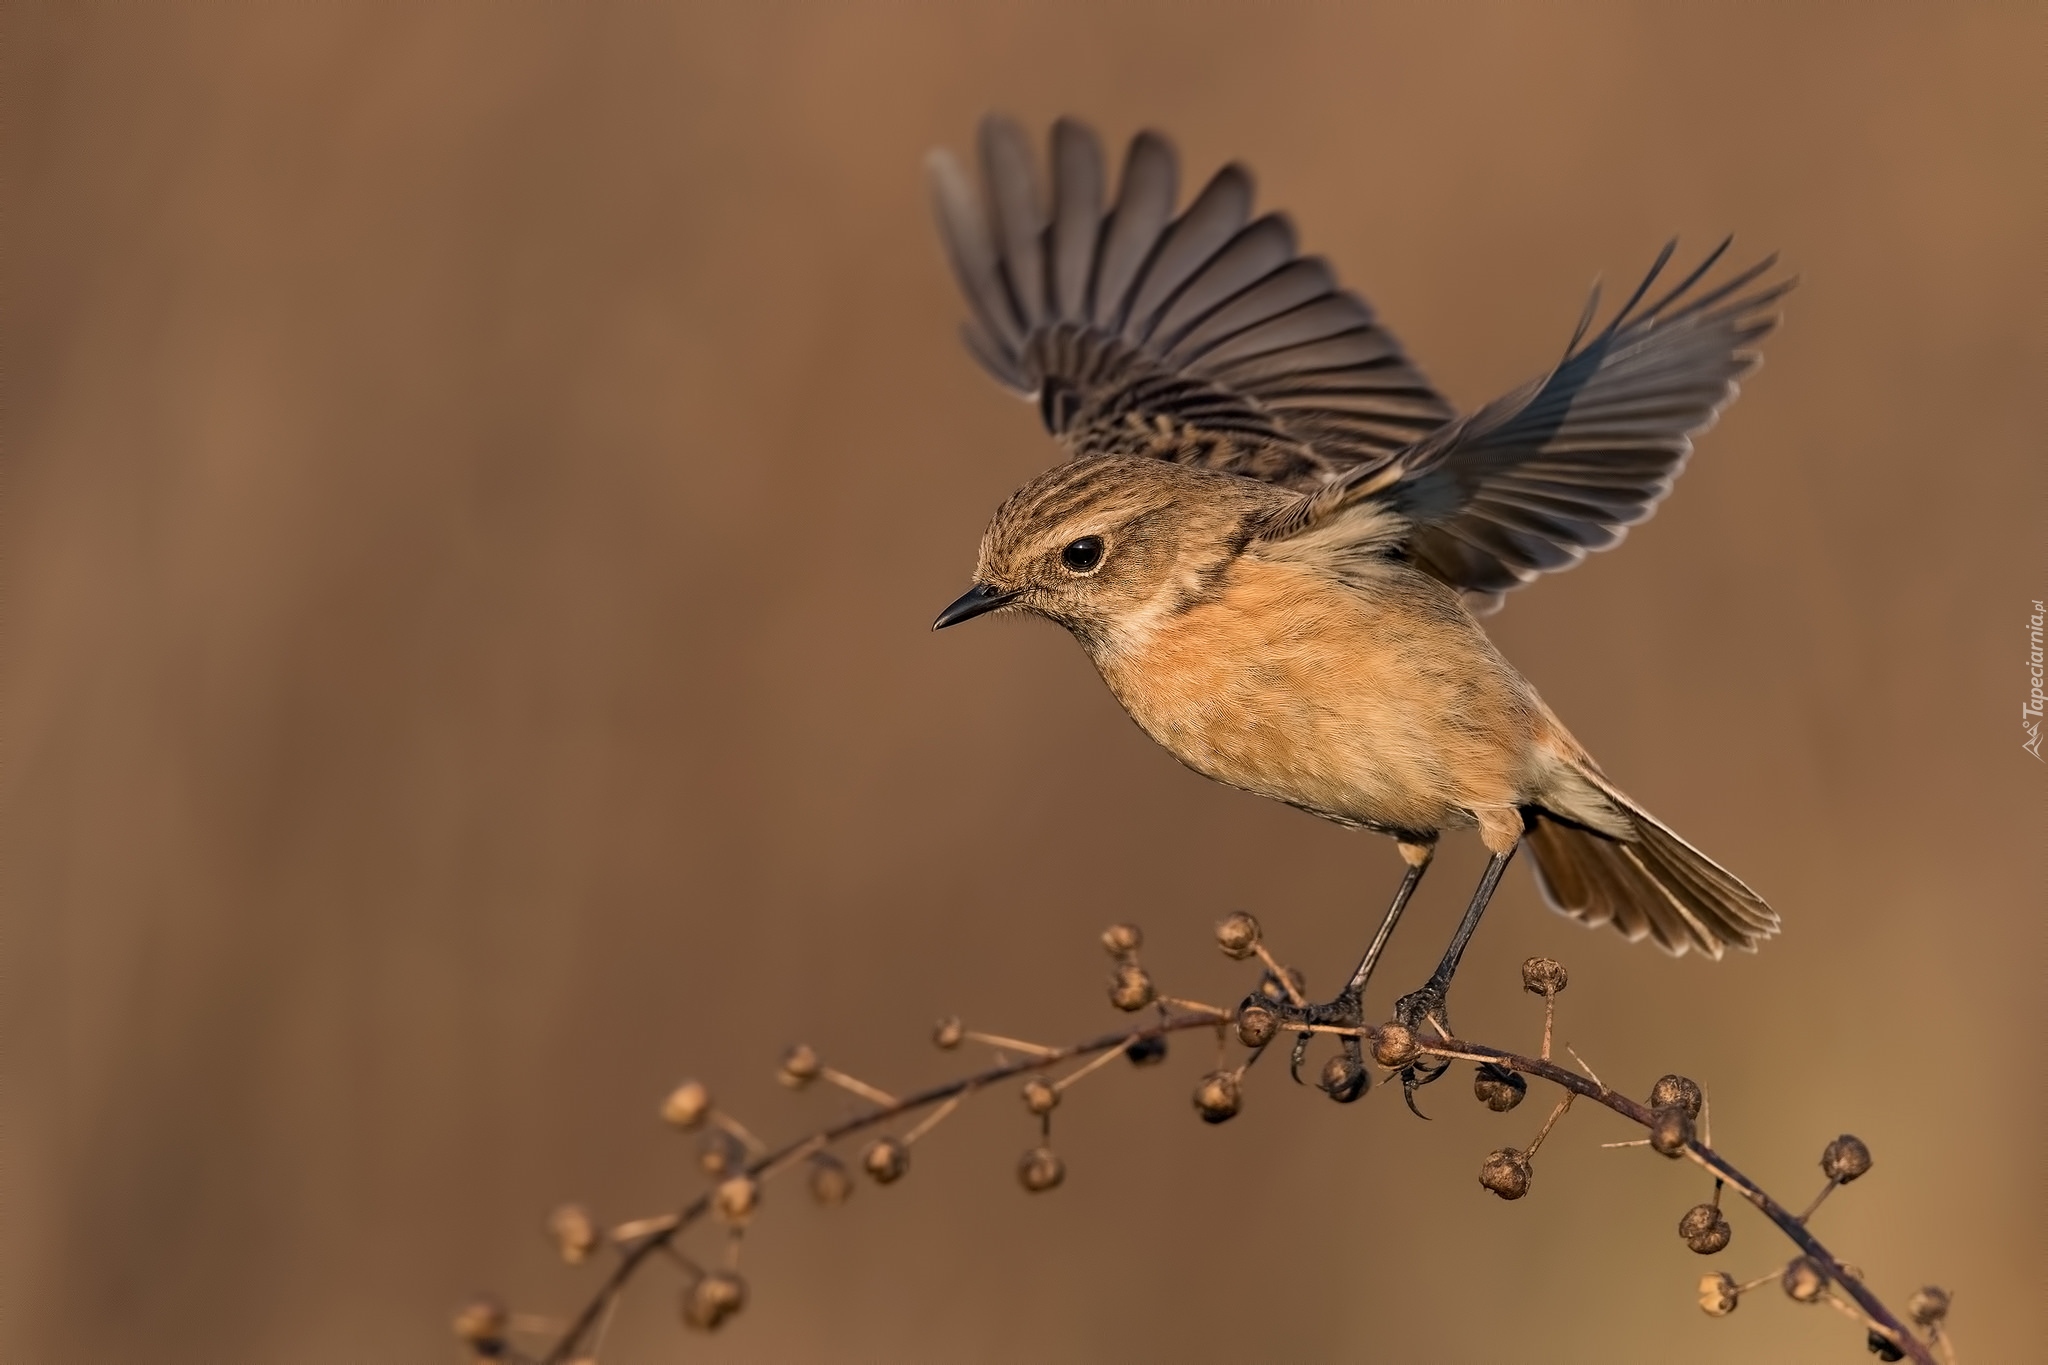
(1108, 546)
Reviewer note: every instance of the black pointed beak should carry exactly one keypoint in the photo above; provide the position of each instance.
(982, 597)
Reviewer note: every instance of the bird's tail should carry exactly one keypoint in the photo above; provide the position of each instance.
(1653, 884)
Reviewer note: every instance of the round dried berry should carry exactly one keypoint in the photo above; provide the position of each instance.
(482, 1323)
(719, 1153)
(1275, 990)
(1131, 988)
(1704, 1229)
(1498, 1088)
(1041, 1096)
(1147, 1051)
(886, 1159)
(687, 1105)
(800, 1066)
(1238, 936)
(1882, 1346)
(1344, 1078)
(1929, 1305)
(1544, 976)
(1804, 1280)
(713, 1299)
(1040, 1169)
(574, 1231)
(1719, 1294)
(1119, 939)
(829, 1182)
(1394, 1045)
(736, 1198)
(1677, 1092)
(947, 1033)
(1670, 1131)
(1506, 1172)
(1845, 1159)
(1256, 1023)
(1218, 1097)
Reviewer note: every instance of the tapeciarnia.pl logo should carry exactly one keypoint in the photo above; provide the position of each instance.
(2030, 714)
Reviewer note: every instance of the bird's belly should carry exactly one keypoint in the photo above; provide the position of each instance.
(1370, 728)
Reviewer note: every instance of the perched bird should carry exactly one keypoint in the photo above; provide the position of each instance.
(1274, 538)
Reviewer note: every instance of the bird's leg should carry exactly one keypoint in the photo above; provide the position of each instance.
(1425, 1012)
(1417, 856)
(1348, 1008)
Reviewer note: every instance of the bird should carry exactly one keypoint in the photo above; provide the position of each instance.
(1276, 540)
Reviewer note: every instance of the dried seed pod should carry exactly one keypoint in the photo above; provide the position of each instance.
(1544, 976)
(1719, 1294)
(1670, 1131)
(1344, 1078)
(1147, 1051)
(1238, 936)
(1256, 1023)
(1928, 1305)
(886, 1159)
(1677, 1092)
(800, 1066)
(719, 1153)
(1498, 1088)
(1804, 1280)
(1119, 939)
(948, 1032)
(687, 1105)
(1394, 1045)
(1041, 1169)
(1275, 990)
(1041, 1096)
(1845, 1159)
(712, 1299)
(482, 1323)
(736, 1198)
(829, 1182)
(1507, 1172)
(1704, 1229)
(574, 1231)
(1218, 1097)
(1131, 987)
(1882, 1346)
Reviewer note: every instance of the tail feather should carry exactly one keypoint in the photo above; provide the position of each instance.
(1652, 885)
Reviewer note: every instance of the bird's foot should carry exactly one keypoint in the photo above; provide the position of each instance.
(1344, 1077)
(1426, 1014)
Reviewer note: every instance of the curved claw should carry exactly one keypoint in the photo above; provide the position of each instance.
(1300, 1052)
(1409, 1085)
(1417, 1075)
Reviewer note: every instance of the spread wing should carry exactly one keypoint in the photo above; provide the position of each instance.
(1202, 336)
(1534, 481)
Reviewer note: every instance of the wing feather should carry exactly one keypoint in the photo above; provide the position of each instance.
(1252, 356)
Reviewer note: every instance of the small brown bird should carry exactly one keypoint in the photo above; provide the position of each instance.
(1273, 535)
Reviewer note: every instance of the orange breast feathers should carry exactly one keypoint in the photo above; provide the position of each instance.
(1377, 703)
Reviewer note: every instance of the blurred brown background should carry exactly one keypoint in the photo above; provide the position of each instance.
(479, 478)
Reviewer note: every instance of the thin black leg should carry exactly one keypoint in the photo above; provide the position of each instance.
(1359, 978)
(1426, 1011)
(1348, 1007)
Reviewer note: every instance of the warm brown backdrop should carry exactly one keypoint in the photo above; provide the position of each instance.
(478, 476)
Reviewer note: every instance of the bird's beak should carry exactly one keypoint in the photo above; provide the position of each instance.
(982, 597)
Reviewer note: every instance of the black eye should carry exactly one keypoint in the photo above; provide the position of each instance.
(1083, 555)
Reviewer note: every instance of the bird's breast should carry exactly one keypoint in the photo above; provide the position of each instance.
(1387, 709)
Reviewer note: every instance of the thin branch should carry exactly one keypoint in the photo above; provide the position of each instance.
(660, 1232)
(657, 1234)
(1786, 1222)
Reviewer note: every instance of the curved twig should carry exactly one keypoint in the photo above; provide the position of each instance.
(659, 1233)
(656, 1235)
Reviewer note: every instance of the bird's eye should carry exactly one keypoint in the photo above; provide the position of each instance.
(1083, 555)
